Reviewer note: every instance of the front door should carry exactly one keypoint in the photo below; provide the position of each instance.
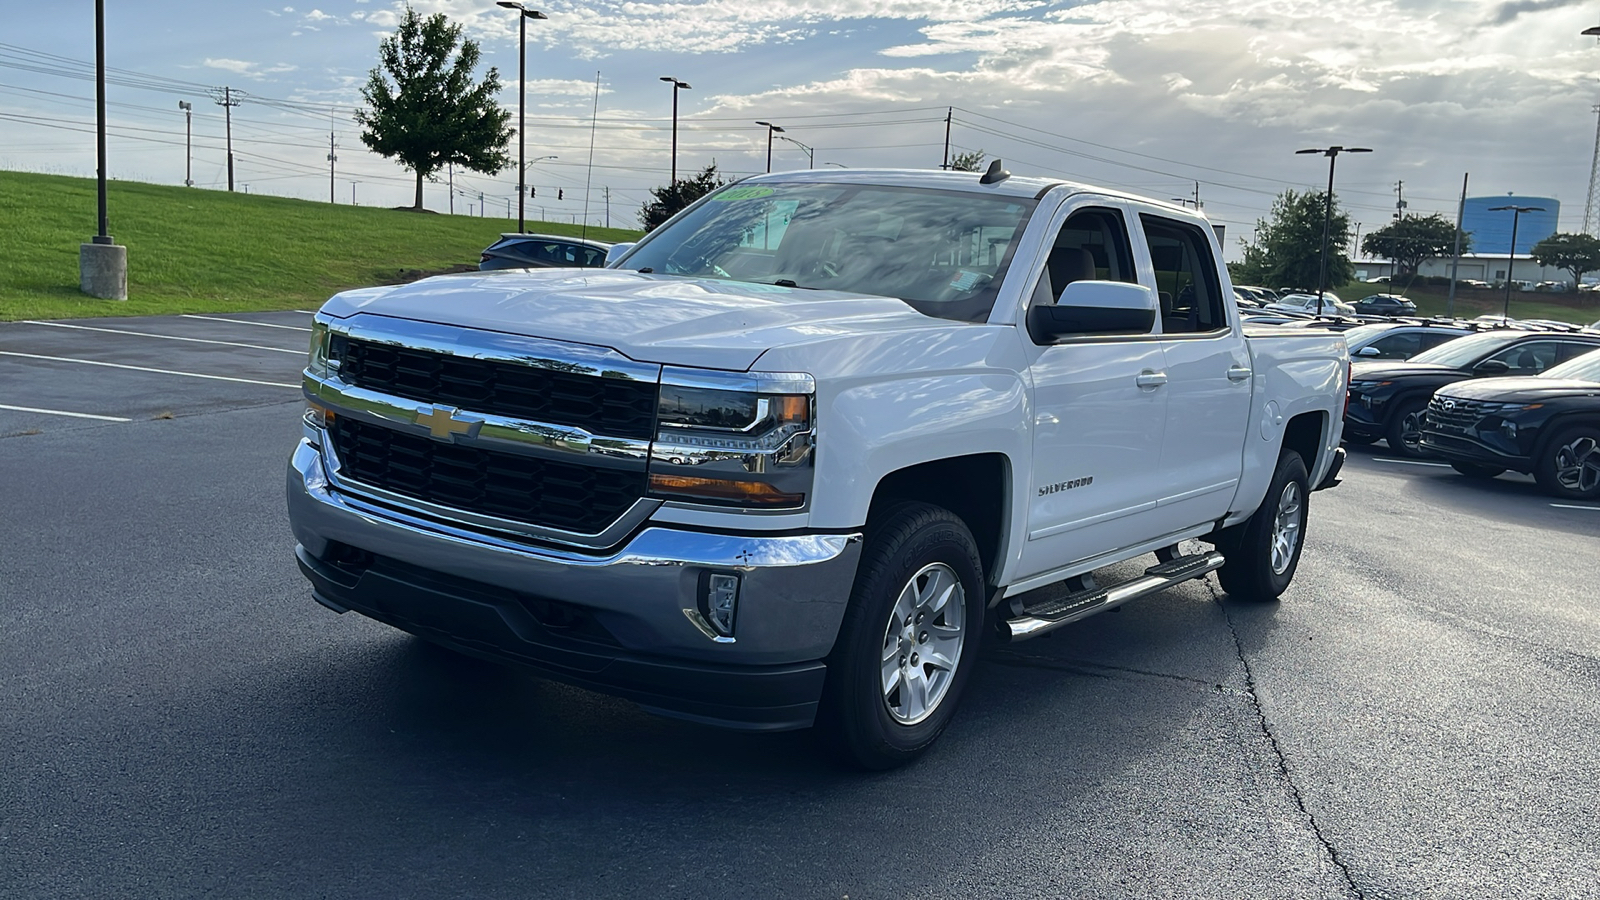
(1097, 424)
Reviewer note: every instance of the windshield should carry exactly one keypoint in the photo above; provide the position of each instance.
(1584, 368)
(942, 252)
(1360, 333)
(1465, 351)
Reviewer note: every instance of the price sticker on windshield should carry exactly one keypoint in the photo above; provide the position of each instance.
(744, 193)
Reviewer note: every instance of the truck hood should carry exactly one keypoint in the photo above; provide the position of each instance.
(1521, 390)
(650, 318)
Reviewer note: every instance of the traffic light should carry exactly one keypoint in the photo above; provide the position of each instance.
(561, 194)
(533, 191)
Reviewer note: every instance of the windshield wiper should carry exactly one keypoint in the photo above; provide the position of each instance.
(787, 282)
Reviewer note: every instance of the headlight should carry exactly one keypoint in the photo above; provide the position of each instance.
(317, 365)
(734, 439)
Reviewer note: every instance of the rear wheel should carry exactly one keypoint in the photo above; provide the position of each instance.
(1264, 551)
(1569, 463)
(909, 638)
(1477, 470)
(1405, 428)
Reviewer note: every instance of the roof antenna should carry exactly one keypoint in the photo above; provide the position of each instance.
(995, 175)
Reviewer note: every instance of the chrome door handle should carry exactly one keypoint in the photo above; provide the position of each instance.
(1148, 379)
(1238, 373)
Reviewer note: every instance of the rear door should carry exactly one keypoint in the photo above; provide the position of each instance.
(1208, 376)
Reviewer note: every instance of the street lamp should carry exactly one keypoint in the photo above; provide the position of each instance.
(811, 155)
(1332, 153)
(188, 136)
(676, 87)
(1511, 252)
(770, 129)
(523, 15)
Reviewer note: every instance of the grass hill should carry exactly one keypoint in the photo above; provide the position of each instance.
(192, 250)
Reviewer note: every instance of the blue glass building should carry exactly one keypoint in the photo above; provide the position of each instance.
(1491, 231)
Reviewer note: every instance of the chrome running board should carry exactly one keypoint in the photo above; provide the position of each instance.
(1053, 613)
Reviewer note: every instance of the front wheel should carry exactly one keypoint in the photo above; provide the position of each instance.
(1263, 552)
(909, 638)
(1405, 428)
(1477, 470)
(1569, 464)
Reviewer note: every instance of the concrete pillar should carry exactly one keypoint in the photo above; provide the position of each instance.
(103, 270)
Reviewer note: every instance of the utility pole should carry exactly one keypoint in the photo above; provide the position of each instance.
(608, 207)
(452, 169)
(1591, 210)
(331, 160)
(949, 111)
(1197, 204)
(1399, 199)
(228, 103)
(1455, 258)
(480, 204)
(353, 192)
(188, 142)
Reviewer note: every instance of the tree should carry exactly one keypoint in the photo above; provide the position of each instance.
(1413, 240)
(1287, 250)
(967, 162)
(677, 195)
(1575, 253)
(434, 114)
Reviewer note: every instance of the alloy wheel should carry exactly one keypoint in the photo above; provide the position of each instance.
(922, 643)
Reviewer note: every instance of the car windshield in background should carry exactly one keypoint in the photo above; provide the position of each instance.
(1584, 368)
(1362, 332)
(1462, 351)
(943, 255)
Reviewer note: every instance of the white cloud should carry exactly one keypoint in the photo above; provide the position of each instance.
(248, 69)
(317, 15)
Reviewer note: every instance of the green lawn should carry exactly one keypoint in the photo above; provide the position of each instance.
(193, 250)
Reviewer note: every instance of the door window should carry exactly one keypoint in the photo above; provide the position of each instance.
(1186, 277)
(1091, 246)
(1398, 346)
(1530, 358)
(1573, 349)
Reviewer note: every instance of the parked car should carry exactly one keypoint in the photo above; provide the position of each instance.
(1386, 340)
(543, 251)
(1473, 283)
(1260, 294)
(1307, 303)
(1385, 305)
(1547, 426)
(766, 480)
(1549, 325)
(1387, 399)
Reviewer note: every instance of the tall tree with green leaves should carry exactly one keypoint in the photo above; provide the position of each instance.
(666, 201)
(967, 162)
(425, 108)
(1287, 249)
(1574, 252)
(1413, 240)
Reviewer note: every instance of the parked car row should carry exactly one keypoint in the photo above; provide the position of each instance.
(542, 251)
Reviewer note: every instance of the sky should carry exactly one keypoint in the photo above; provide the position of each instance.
(1154, 97)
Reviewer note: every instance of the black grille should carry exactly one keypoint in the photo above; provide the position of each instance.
(524, 489)
(1456, 418)
(605, 406)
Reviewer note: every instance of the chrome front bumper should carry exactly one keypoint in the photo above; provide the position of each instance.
(793, 592)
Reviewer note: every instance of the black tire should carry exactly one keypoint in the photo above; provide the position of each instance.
(1252, 572)
(1568, 465)
(1359, 440)
(908, 545)
(1404, 433)
(1477, 470)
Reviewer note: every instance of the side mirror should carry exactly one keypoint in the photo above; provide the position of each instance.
(1492, 367)
(615, 253)
(1369, 351)
(1094, 307)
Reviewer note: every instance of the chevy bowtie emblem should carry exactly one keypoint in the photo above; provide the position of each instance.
(445, 422)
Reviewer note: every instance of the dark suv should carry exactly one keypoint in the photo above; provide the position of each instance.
(1385, 305)
(1387, 399)
(536, 251)
(1547, 426)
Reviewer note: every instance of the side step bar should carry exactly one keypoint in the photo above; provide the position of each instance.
(1054, 613)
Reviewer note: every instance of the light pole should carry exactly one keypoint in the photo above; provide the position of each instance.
(1511, 252)
(188, 140)
(676, 87)
(770, 129)
(811, 155)
(1332, 153)
(523, 15)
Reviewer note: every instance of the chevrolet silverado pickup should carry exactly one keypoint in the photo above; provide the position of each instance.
(789, 458)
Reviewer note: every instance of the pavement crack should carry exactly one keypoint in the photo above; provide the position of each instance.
(1277, 750)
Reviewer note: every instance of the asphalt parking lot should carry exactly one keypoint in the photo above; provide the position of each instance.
(178, 718)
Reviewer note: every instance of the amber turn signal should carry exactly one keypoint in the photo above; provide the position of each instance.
(721, 490)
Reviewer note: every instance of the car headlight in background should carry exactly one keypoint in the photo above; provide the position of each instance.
(734, 438)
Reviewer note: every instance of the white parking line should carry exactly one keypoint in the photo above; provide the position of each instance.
(1410, 462)
(92, 362)
(58, 412)
(164, 337)
(243, 322)
(1570, 506)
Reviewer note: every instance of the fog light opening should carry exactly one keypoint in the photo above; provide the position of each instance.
(719, 601)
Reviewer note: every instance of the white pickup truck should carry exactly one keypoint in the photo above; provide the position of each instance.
(784, 460)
